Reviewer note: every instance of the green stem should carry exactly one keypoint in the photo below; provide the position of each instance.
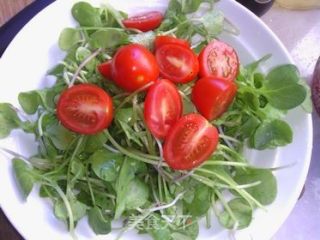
(128, 98)
(226, 207)
(225, 163)
(128, 153)
(234, 185)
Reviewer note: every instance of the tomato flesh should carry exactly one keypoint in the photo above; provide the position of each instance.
(105, 69)
(145, 21)
(85, 109)
(163, 40)
(218, 59)
(212, 96)
(162, 107)
(177, 63)
(134, 66)
(190, 142)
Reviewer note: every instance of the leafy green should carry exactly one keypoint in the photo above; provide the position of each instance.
(24, 177)
(108, 38)
(9, 119)
(241, 211)
(271, 134)
(68, 38)
(78, 210)
(106, 164)
(86, 15)
(282, 88)
(98, 221)
(122, 186)
(201, 201)
(137, 194)
(266, 191)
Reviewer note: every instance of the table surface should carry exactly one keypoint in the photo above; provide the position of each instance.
(300, 33)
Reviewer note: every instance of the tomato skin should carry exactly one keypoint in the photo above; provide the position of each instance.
(177, 63)
(218, 59)
(134, 66)
(212, 96)
(162, 40)
(162, 107)
(85, 109)
(145, 21)
(190, 142)
(105, 69)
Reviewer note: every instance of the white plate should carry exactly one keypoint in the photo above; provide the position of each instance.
(34, 50)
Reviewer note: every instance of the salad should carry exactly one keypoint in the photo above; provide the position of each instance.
(147, 122)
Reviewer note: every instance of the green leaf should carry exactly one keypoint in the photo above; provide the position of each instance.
(106, 165)
(78, 209)
(161, 231)
(249, 126)
(145, 39)
(99, 222)
(213, 22)
(56, 70)
(189, 230)
(9, 119)
(137, 194)
(29, 101)
(201, 201)
(272, 134)
(242, 212)
(23, 175)
(86, 15)
(282, 88)
(68, 38)
(307, 105)
(81, 54)
(95, 142)
(127, 173)
(124, 115)
(108, 38)
(266, 191)
(190, 6)
(60, 136)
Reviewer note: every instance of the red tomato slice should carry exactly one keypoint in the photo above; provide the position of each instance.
(218, 59)
(105, 69)
(133, 66)
(190, 142)
(162, 107)
(85, 108)
(162, 40)
(212, 96)
(177, 63)
(145, 21)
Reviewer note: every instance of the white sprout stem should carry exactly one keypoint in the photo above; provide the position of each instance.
(227, 208)
(224, 163)
(83, 64)
(243, 186)
(184, 176)
(111, 149)
(226, 140)
(169, 205)
(133, 94)
(17, 155)
(225, 137)
(40, 123)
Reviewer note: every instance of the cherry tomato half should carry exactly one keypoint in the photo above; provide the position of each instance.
(162, 40)
(177, 63)
(162, 107)
(145, 21)
(105, 69)
(133, 66)
(218, 59)
(85, 108)
(212, 96)
(190, 142)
